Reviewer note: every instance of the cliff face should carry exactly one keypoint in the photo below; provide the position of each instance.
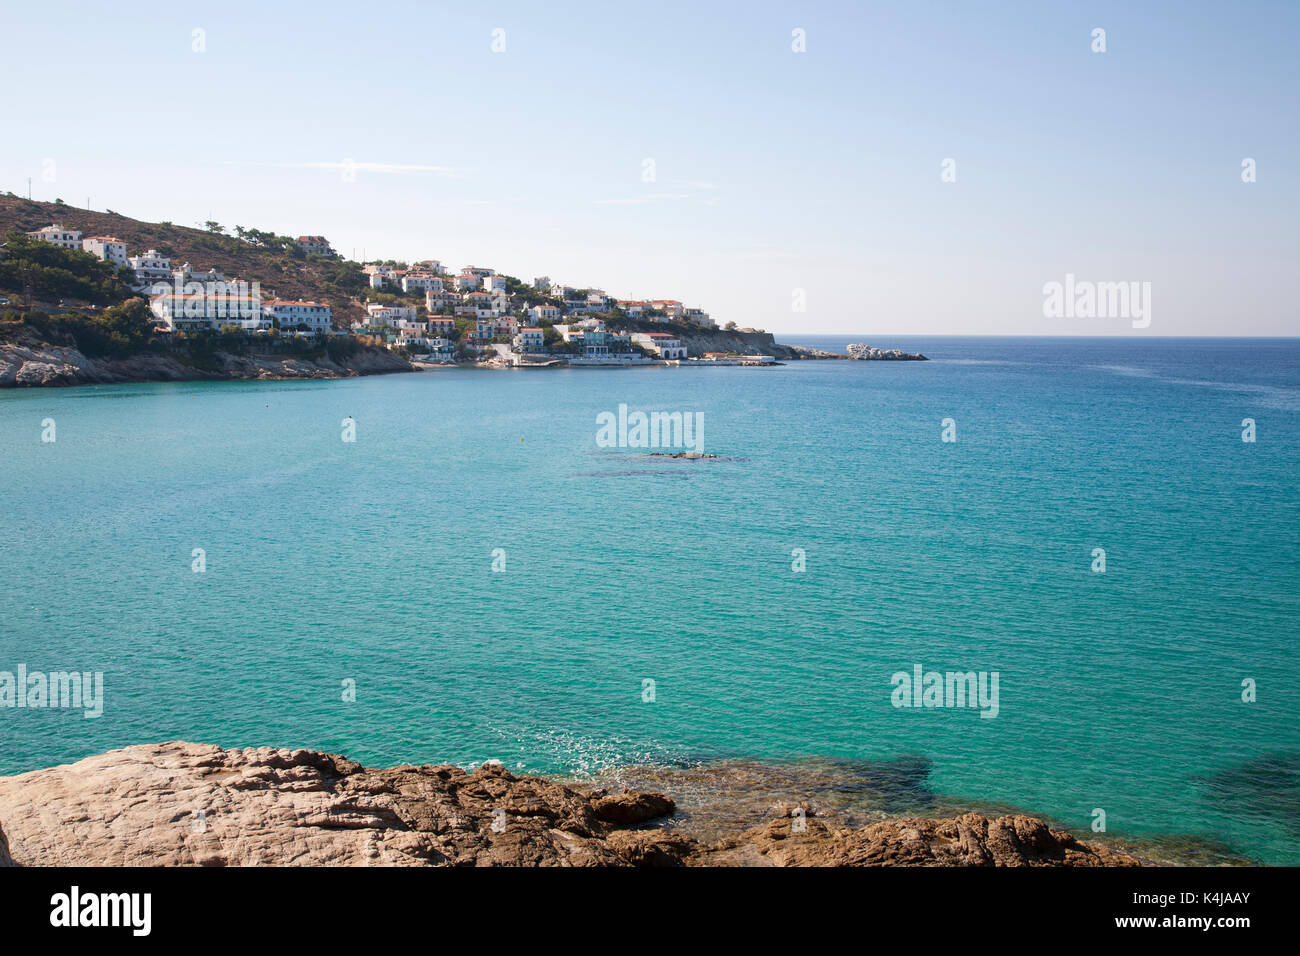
(699, 341)
(42, 364)
(181, 804)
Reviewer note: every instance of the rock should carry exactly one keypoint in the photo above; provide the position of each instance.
(5, 858)
(968, 840)
(30, 363)
(652, 848)
(628, 807)
(189, 804)
(863, 352)
(182, 804)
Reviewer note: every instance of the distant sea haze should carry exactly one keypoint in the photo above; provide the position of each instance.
(477, 576)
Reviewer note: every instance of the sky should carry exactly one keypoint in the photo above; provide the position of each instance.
(780, 165)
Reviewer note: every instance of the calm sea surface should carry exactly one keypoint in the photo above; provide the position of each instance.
(372, 561)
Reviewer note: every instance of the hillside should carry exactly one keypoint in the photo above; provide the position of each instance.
(285, 273)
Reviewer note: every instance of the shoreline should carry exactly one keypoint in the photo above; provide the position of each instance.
(55, 366)
(205, 805)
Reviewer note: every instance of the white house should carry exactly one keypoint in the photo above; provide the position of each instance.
(698, 317)
(379, 314)
(661, 343)
(150, 267)
(208, 310)
(544, 313)
(494, 284)
(56, 235)
(468, 282)
(424, 281)
(317, 316)
(434, 301)
(316, 245)
(479, 271)
(483, 305)
(108, 248)
(530, 339)
(378, 280)
(672, 307)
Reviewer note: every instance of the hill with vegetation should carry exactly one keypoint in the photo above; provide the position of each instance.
(277, 262)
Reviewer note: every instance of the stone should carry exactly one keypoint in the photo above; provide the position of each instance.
(184, 804)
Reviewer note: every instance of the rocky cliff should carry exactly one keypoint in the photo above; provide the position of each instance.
(32, 365)
(182, 804)
(699, 341)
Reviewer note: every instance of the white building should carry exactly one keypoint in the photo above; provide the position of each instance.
(424, 281)
(316, 245)
(547, 313)
(56, 235)
(698, 317)
(193, 312)
(379, 314)
(494, 284)
(316, 316)
(671, 307)
(150, 267)
(530, 339)
(435, 301)
(661, 343)
(468, 282)
(108, 248)
(378, 280)
(483, 305)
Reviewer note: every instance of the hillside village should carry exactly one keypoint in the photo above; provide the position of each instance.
(423, 310)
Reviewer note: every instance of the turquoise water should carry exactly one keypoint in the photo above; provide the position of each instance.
(372, 561)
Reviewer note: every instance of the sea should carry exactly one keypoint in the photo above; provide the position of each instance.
(458, 566)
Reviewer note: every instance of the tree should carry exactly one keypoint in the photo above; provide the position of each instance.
(730, 326)
(214, 227)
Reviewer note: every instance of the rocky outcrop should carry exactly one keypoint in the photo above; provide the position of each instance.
(26, 365)
(698, 341)
(869, 353)
(182, 804)
(967, 840)
(189, 804)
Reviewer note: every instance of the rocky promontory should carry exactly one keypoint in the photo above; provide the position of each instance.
(43, 364)
(183, 804)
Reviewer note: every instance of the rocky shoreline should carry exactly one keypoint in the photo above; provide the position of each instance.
(36, 366)
(184, 804)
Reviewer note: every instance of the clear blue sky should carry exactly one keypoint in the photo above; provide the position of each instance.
(775, 170)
